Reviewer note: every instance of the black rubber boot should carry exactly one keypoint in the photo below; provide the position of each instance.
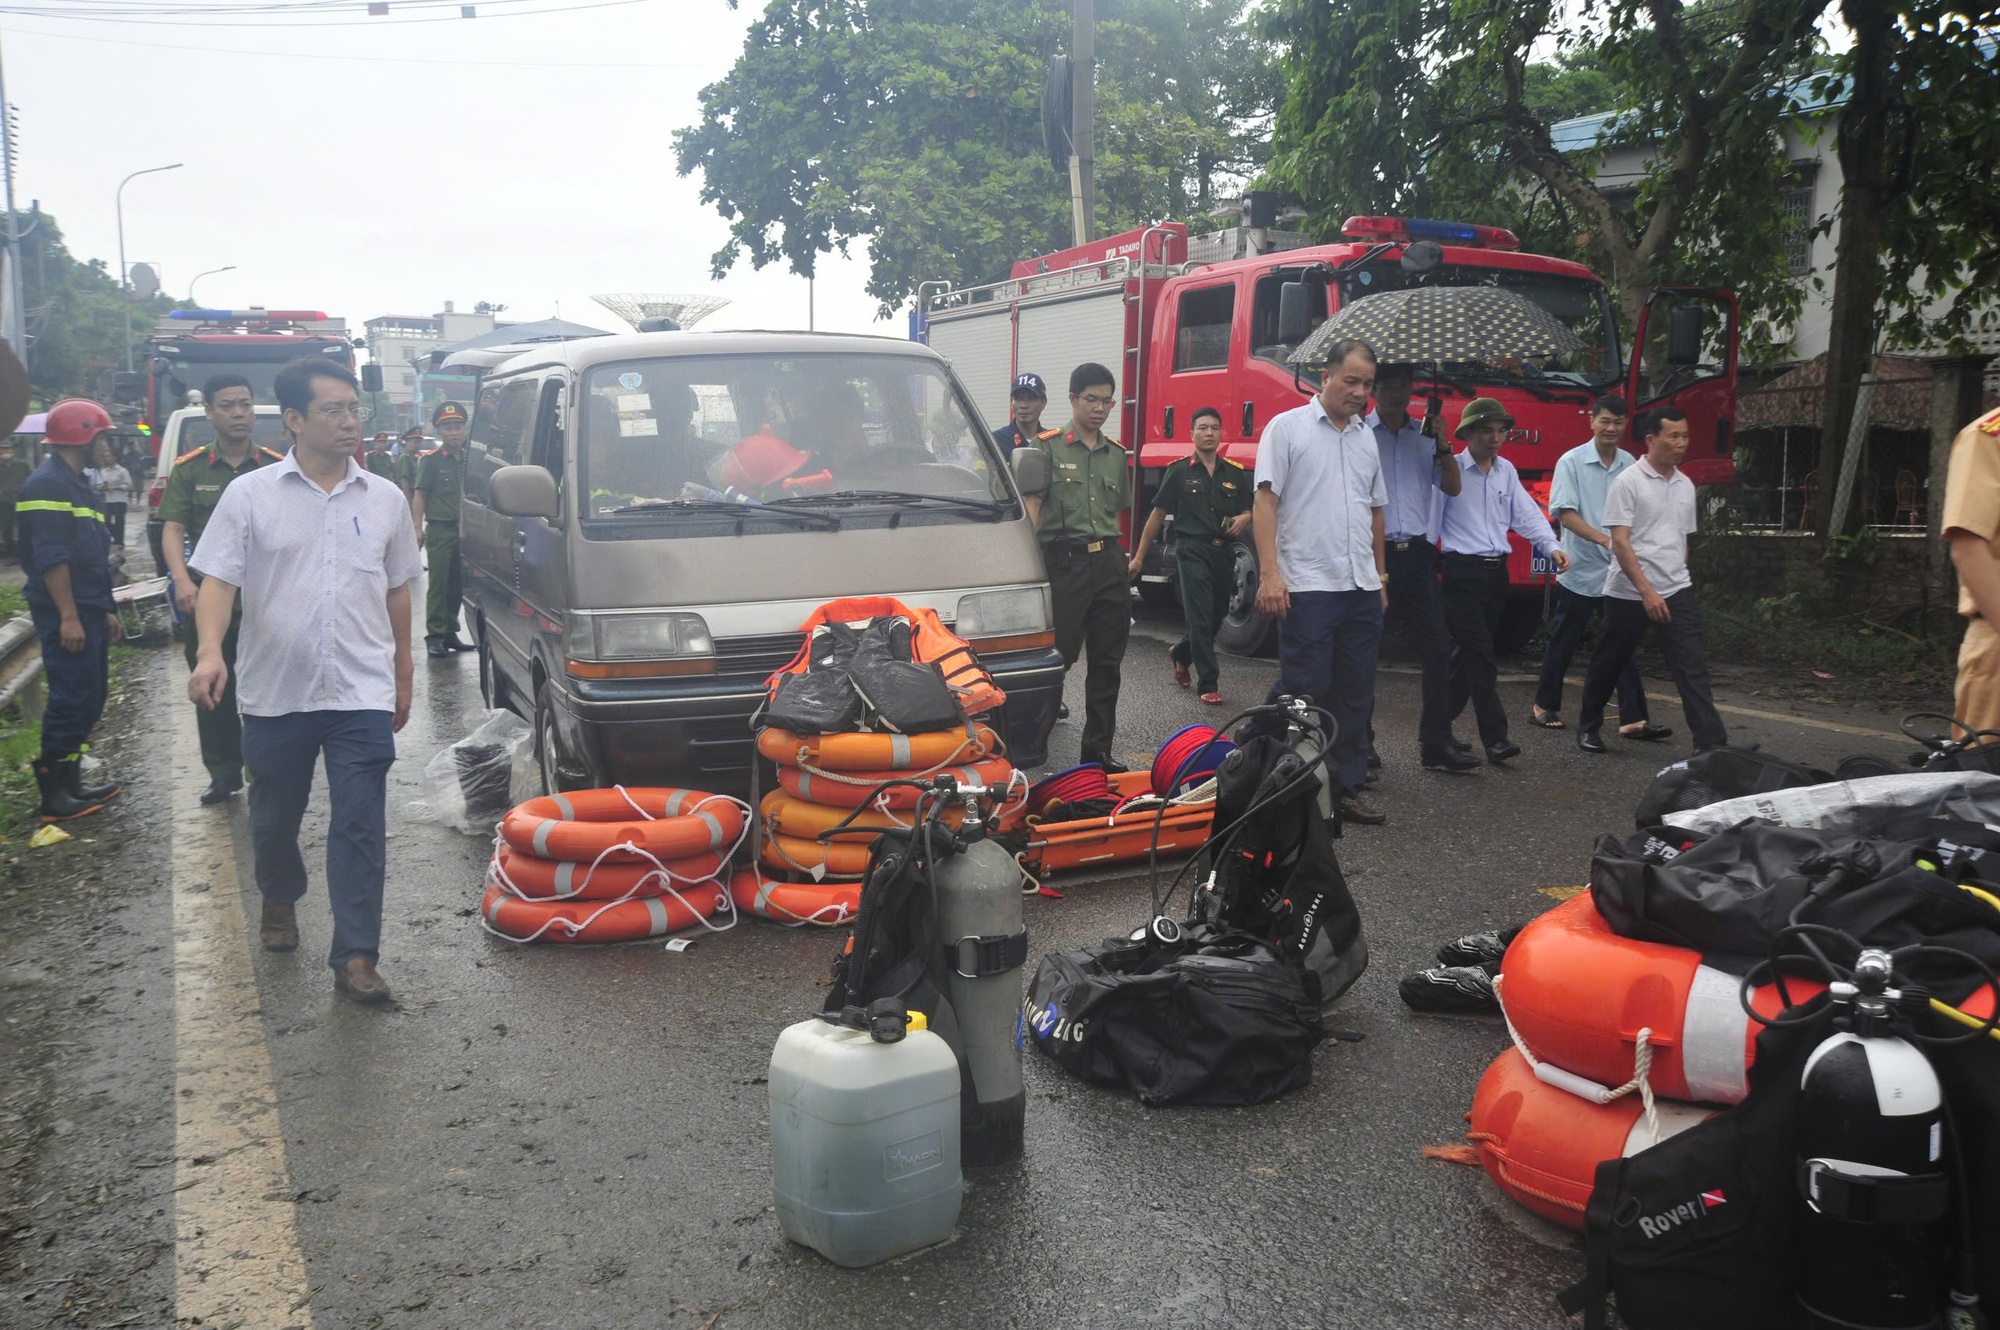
(59, 802)
(90, 794)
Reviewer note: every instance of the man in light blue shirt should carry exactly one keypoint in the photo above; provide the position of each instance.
(1576, 501)
(1416, 468)
(1490, 503)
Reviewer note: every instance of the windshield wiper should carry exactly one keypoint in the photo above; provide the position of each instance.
(897, 497)
(713, 507)
(1541, 387)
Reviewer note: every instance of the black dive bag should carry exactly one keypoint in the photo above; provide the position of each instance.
(1194, 1017)
(1717, 774)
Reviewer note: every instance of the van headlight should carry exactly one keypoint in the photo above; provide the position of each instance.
(1009, 620)
(625, 646)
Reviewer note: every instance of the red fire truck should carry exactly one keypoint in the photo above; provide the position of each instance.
(189, 345)
(1181, 334)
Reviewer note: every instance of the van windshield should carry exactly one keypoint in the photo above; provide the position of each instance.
(862, 437)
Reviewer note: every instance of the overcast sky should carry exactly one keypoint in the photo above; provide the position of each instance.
(383, 166)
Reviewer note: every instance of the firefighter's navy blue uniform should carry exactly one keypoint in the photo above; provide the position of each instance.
(57, 521)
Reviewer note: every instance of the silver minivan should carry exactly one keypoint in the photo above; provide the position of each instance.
(628, 601)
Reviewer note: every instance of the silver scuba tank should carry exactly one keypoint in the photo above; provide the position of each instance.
(986, 944)
(1872, 1244)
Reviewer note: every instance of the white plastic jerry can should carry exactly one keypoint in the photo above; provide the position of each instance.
(864, 1140)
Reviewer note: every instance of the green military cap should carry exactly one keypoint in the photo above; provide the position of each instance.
(447, 411)
(1481, 410)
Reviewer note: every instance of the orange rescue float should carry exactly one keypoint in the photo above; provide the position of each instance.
(870, 752)
(843, 858)
(526, 876)
(591, 921)
(1542, 1145)
(789, 816)
(856, 789)
(1125, 835)
(658, 822)
(826, 903)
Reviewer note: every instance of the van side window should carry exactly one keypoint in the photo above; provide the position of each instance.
(500, 426)
(1201, 337)
(548, 448)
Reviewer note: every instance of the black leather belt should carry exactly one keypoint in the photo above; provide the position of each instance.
(1399, 546)
(1087, 546)
(1476, 558)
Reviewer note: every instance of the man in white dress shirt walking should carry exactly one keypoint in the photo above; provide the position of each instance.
(1473, 536)
(324, 553)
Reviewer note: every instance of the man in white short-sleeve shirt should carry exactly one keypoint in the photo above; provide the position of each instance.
(324, 553)
(1650, 512)
(1318, 522)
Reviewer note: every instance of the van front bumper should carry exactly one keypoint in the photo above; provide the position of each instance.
(695, 733)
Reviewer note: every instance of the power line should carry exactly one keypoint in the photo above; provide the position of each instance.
(361, 59)
(280, 24)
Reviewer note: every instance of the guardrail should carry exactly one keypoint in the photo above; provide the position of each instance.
(20, 661)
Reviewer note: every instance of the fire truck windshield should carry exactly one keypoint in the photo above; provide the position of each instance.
(180, 377)
(1583, 305)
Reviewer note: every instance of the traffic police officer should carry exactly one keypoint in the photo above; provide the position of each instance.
(1024, 405)
(1208, 496)
(378, 459)
(194, 486)
(1090, 483)
(66, 554)
(434, 506)
(1972, 528)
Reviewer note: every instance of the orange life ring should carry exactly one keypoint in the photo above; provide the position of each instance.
(855, 751)
(789, 816)
(826, 903)
(561, 879)
(1542, 1145)
(1578, 994)
(845, 858)
(856, 789)
(589, 921)
(583, 824)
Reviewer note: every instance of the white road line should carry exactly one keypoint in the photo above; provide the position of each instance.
(237, 1260)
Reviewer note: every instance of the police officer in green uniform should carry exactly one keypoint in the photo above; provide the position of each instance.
(194, 487)
(405, 473)
(379, 459)
(1090, 482)
(1209, 497)
(434, 506)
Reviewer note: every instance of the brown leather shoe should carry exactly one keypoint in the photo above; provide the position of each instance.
(358, 982)
(279, 928)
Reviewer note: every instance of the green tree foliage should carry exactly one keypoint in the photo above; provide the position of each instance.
(75, 321)
(916, 126)
(1444, 108)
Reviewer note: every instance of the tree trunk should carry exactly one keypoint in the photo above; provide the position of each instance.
(1857, 265)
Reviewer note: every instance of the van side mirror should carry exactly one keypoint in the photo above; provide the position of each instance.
(525, 491)
(1294, 317)
(1031, 471)
(371, 378)
(1684, 335)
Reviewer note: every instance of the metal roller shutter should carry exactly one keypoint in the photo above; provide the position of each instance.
(1058, 336)
(979, 346)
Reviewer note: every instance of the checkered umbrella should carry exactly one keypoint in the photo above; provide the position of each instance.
(1443, 323)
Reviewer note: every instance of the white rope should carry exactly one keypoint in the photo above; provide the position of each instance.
(627, 796)
(1642, 1069)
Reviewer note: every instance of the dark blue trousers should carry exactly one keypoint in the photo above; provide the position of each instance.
(1327, 647)
(358, 747)
(77, 681)
(1572, 617)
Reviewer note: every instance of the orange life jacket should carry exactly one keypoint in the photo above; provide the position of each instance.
(931, 643)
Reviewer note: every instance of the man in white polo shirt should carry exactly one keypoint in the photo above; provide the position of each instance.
(324, 553)
(1318, 522)
(1650, 512)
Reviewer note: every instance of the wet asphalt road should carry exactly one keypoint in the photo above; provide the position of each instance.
(556, 1136)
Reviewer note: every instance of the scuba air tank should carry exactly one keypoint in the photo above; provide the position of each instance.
(985, 945)
(1873, 1246)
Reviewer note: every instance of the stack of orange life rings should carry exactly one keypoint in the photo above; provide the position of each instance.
(1617, 1043)
(827, 780)
(611, 865)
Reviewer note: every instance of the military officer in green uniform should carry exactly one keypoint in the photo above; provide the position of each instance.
(1209, 497)
(434, 506)
(405, 473)
(1090, 483)
(379, 459)
(194, 487)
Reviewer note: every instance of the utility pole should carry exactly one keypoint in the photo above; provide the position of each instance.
(1083, 116)
(124, 278)
(16, 320)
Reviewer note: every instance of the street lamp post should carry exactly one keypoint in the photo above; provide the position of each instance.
(228, 267)
(124, 285)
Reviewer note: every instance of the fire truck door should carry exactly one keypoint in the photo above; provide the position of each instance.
(1684, 354)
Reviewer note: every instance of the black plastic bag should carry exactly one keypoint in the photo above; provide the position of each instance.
(904, 696)
(1216, 1019)
(1720, 773)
